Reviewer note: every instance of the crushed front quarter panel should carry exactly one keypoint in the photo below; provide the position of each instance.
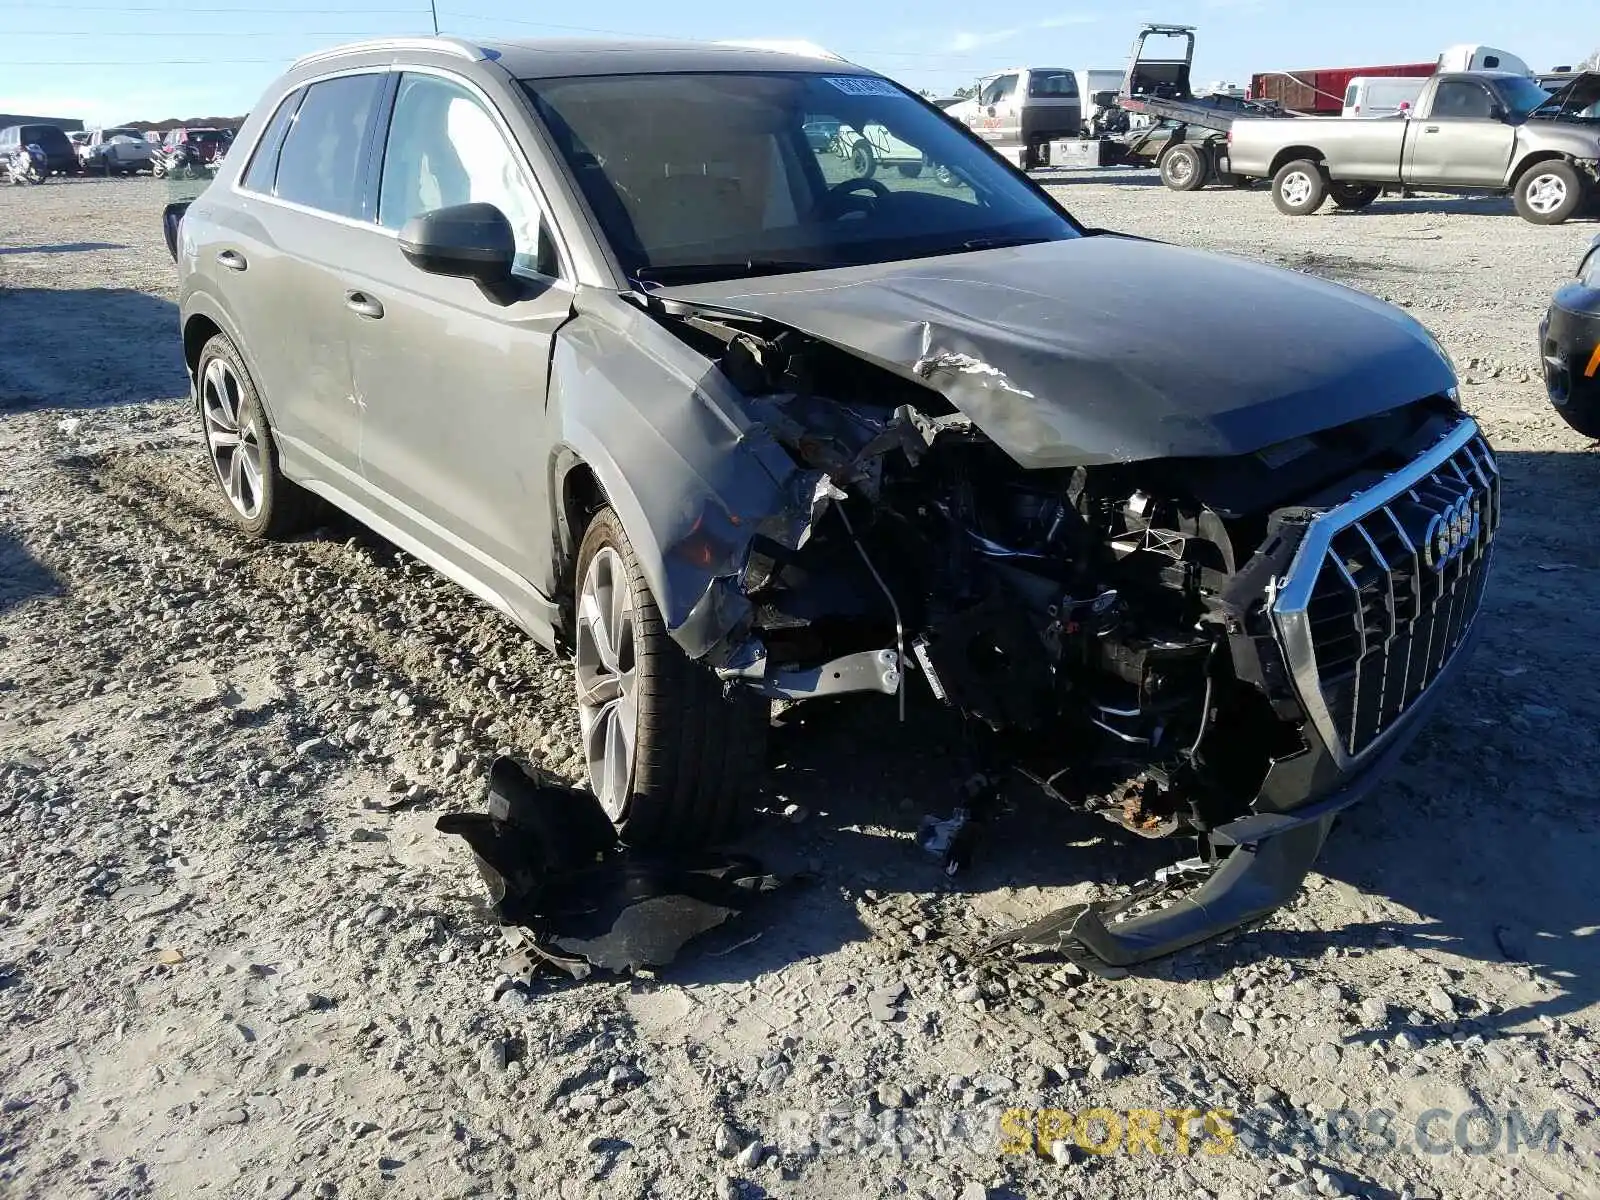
(693, 478)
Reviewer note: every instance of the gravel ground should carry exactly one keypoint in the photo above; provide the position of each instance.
(236, 960)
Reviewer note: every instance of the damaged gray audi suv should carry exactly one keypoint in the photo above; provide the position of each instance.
(601, 332)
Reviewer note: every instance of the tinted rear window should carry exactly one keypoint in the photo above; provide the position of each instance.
(47, 137)
(320, 164)
(1053, 85)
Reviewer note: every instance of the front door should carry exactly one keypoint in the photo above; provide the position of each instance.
(997, 121)
(1461, 142)
(451, 385)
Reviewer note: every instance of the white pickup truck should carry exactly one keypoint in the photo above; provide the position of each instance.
(115, 151)
(1468, 131)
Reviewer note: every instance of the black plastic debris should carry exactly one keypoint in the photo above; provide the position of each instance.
(578, 898)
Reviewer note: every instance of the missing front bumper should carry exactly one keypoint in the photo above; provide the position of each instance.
(1268, 855)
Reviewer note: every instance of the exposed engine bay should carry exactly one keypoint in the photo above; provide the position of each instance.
(1105, 628)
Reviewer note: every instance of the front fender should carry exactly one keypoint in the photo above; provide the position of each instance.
(693, 478)
(1576, 145)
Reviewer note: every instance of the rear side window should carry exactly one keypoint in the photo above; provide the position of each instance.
(1351, 96)
(1052, 85)
(46, 137)
(264, 164)
(320, 165)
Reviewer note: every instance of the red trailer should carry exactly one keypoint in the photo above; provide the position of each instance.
(1320, 92)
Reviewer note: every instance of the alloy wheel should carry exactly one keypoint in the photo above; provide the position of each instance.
(608, 698)
(1546, 193)
(1296, 188)
(233, 438)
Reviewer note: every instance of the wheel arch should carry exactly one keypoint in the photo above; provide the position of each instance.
(1290, 154)
(203, 319)
(1532, 159)
(647, 425)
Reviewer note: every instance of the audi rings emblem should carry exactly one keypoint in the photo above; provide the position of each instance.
(1451, 532)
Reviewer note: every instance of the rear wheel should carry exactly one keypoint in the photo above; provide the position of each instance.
(1299, 188)
(673, 762)
(1352, 197)
(910, 170)
(1184, 168)
(1550, 192)
(244, 456)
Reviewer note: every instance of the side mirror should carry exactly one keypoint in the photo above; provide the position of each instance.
(465, 241)
(1497, 112)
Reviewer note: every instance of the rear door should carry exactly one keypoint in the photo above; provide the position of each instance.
(451, 385)
(277, 257)
(1460, 143)
(1051, 107)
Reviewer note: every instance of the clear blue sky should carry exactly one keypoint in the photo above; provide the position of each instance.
(149, 59)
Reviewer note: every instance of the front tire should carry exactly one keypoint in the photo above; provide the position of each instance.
(674, 764)
(1353, 197)
(1548, 193)
(1184, 168)
(260, 500)
(910, 170)
(1299, 188)
(862, 160)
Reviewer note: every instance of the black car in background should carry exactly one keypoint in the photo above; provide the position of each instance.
(1569, 342)
(58, 148)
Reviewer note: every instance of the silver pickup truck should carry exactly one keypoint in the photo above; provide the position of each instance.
(1467, 131)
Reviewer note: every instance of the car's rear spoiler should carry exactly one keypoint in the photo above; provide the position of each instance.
(171, 218)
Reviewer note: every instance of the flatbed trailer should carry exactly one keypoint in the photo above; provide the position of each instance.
(1188, 138)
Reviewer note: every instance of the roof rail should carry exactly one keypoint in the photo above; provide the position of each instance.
(444, 44)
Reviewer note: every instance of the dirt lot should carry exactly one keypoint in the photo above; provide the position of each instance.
(236, 959)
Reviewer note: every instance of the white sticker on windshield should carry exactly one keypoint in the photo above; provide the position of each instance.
(862, 85)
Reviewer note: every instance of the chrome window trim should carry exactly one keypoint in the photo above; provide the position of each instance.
(520, 154)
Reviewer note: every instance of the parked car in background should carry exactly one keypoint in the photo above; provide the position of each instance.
(1021, 110)
(80, 141)
(1380, 96)
(1489, 130)
(209, 145)
(1569, 343)
(873, 146)
(116, 151)
(669, 388)
(61, 156)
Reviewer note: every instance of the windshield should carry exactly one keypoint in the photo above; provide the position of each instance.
(1522, 96)
(705, 176)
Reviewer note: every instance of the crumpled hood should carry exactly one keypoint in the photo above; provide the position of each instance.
(1110, 349)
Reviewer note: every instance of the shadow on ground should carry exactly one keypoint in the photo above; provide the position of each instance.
(88, 348)
(62, 248)
(22, 576)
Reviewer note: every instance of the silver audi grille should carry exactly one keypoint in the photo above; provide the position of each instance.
(1384, 589)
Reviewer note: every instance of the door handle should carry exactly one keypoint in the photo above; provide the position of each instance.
(363, 305)
(1431, 129)
(232, 259)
